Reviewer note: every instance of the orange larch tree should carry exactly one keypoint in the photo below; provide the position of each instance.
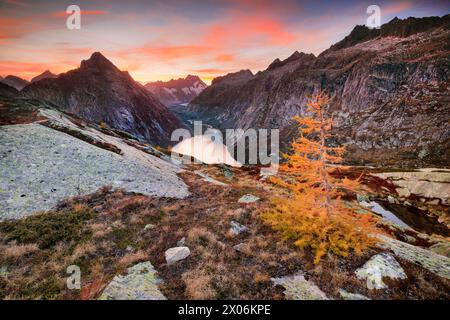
(313, 214)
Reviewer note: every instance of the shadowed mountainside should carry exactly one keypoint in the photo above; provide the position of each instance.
(98, 91)
(389, 90)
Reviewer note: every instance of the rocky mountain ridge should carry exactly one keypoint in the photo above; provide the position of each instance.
(44, 75)
(15, 82)
(98, 91)
(177, 91)
(389, 90)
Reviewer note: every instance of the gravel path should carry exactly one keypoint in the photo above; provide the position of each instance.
(40, 166)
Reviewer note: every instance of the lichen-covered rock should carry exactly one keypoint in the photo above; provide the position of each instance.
(428, 184)
(380, 266)
(41, 166)
(140, 283)
(176, 254)
(442, 248)
(237, 228)
(4, 271)
(149, 226)
(181, 242)
(248, 198)
(238, 247)
(351, 296)
(298, 288)
(427, 259)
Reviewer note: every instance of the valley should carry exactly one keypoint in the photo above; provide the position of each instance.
(89, 178)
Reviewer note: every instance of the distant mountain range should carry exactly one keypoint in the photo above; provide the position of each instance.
(19, 83)
(15, 82)
(44, 75)
(177, 91)
(98, 91)
(389, 88)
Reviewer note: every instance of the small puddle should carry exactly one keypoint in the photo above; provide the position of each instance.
(408, 217)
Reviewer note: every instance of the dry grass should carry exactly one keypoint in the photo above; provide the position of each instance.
(14, 250)
(214, 270)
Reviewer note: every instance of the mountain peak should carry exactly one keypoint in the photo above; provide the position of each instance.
(15, 82)
(234, 77)
(97, 61)
(296, 56)
(44, 75)
(192, 77)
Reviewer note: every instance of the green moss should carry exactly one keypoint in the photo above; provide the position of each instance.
(123, 237)
(47, 289)
(47, 229)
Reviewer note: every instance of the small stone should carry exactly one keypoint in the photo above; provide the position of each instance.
(237, 228)
(380, 266)
(391, 199)
(181, 242)
(4, 271)
(248, 198)
(149, 226)
(129, 248)
(176, 254)
(351, 296)
(238, 247)
(362, 198)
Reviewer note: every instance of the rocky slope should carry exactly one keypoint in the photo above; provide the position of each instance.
(7, 91)
(15, 82)
(98, 91)
(44, 75)
(177, 91)
(389, 90)
(64, 157)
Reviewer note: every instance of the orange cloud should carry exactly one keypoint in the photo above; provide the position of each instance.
(224, 57)
(16, 27)
(173, 52)
(261, 29)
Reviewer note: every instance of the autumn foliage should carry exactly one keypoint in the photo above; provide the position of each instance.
(312, 214)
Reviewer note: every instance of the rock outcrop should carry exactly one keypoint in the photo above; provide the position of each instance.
(436, 263)
(177, 91)
(389, 90)
(140, 283)
(381, 266)
(425, 184)
(44, 165)
(99, 92)
(298, 288)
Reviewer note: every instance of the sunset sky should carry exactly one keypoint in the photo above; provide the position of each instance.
(160, 40)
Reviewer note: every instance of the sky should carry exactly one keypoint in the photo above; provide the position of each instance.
(165, 39)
